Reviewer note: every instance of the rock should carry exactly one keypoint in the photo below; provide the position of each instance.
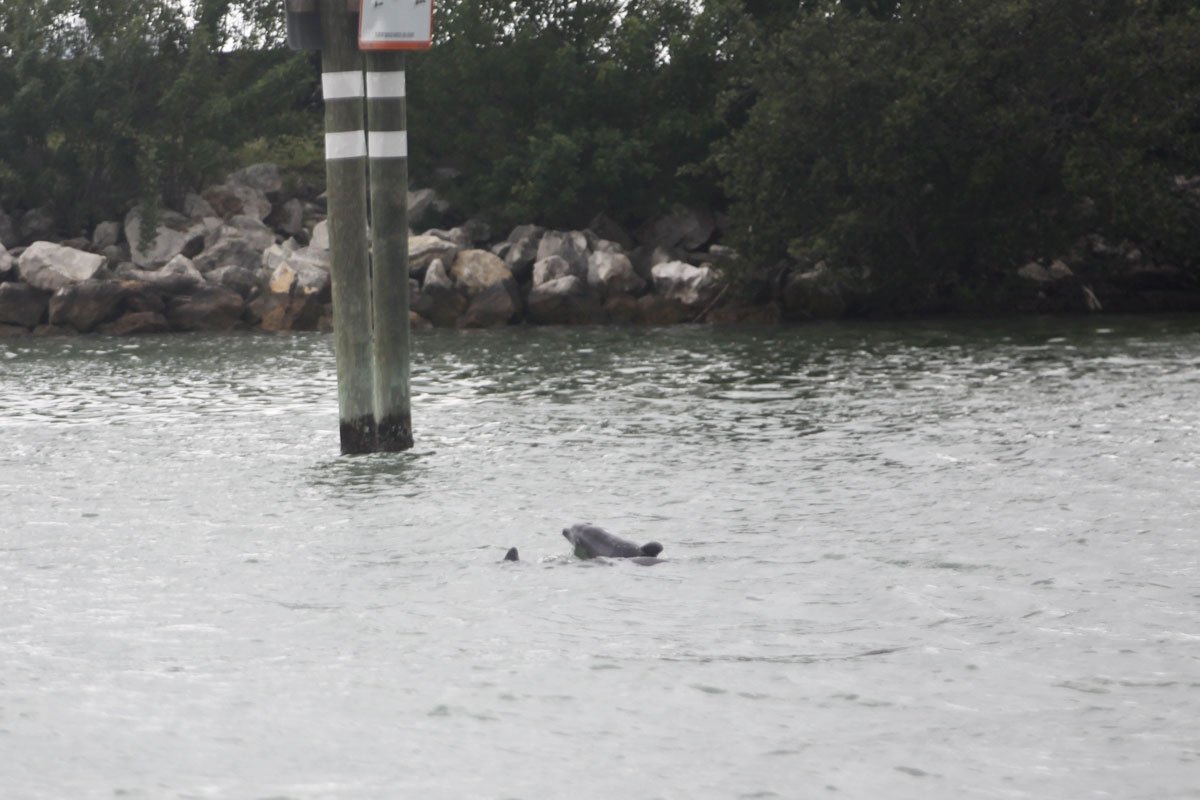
(417, 322)
(476, 231)
(8, 265)
(106, 234)
(320, 235)
(233, 199)
(196, 207)
(605, 227)
(495, 305)
(243, 281)
(1033, 271)
(9, 331)
(456, 236)
(623, 309)
(174, 235)
(116, 254)
(252, 230)
(813, 294)
(277, 312)
(521, 256)
(438, 301)
(207, 308)
(688, 228)
(8, 232)
(83, 306)
(655, 309)
(552, 268)
(142, 297)
(22, 305)
(263, 177)
(50, 267)
(422, 250)
(684, 283)
(52, 330)
(231, 249)
(300, 274)
(612, 273)
(571, 246)
(424, 204)
(563, 301)
(475, 271)
(136, 322)
(37, 224)
(288, 218)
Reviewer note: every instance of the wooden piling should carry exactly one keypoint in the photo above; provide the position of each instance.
(345, 169)
(387, 149)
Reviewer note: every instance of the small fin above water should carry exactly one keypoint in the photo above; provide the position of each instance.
(511, 555)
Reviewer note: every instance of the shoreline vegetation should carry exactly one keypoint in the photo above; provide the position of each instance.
(612, 161)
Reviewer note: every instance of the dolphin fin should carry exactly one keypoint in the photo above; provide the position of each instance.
(511, 555)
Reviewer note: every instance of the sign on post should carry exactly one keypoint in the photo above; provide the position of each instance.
(396, 25)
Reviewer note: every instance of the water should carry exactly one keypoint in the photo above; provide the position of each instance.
(905, 561)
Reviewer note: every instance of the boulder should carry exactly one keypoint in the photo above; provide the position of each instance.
(422, 250)
(420, 204)
(692, 286)
(563, 301)
(320, 235)
(300, 275)
(8, 232)
(142, 297)
(83, 306)
(522, 251)
(496, 305)
(552, 268)
(266, 178)
(106, 234)
(439, 301)
(136, 322)
(22, 305)
(813, 294)
(683, 227)
(288, 217)
(50, 267)
(570, 246)
(243, 281)
(196, 207)
(277, 312)
(233, 199)
(206, 308)
(37, 224)
(252, 230)
(230, 249)
(606, 228)
(654, 309)
(8, 265)
(8, 331)
(456, 236)
(623, 309)
(1033, 271)
(475, 271)
(175, 234)
(612, 274)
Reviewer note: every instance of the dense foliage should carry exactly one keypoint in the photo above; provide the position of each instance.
(928, 145)
(933, 145)
(105, 103)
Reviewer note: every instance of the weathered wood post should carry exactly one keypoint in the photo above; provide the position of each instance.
(370, 293)
(387, 148)
(346, 191)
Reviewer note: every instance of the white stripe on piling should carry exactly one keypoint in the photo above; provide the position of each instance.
(342, 85)
(349, 144)
(385, 85)
(388, 144)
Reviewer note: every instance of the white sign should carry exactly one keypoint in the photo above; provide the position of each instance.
(395, 25)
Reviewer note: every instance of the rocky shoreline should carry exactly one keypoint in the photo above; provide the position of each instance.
(244, 255)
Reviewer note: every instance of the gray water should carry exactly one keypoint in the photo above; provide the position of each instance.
(904, 561)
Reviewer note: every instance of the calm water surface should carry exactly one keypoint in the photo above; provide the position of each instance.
(905, 561)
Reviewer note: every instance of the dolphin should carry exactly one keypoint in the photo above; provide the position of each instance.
(591, 541)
